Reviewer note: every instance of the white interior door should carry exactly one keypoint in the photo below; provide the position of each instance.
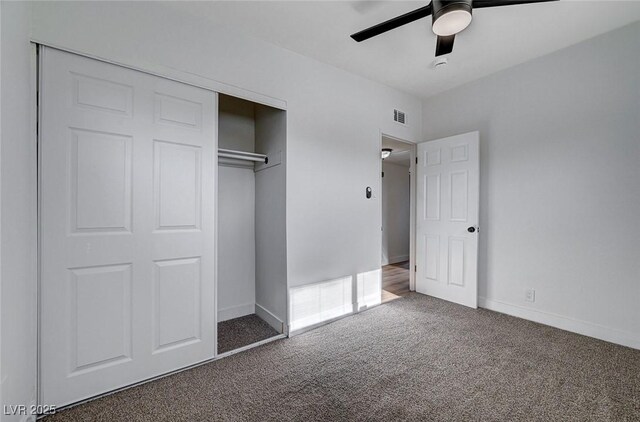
(447, 219)
(127, 226)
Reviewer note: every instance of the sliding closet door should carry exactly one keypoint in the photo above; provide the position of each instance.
(127, 226)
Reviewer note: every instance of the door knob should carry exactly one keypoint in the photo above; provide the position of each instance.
(471, 229)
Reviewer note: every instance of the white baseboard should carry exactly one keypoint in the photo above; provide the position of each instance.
(270, 318)
(399, 258)
(236, 311)
(325, 322)
(394, 260)
(585, 328)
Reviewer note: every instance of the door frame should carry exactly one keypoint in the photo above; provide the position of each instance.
(160, 71)
(172, 74)
(412, 205)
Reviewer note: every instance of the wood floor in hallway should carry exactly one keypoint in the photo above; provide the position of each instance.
(395, 281)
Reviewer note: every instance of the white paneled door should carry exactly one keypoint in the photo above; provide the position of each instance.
(127, 226)
(447, 219)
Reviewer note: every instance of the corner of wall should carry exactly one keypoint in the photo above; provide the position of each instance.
(18, 217)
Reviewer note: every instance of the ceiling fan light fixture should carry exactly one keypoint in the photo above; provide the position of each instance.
(386, 152)
(450, 17)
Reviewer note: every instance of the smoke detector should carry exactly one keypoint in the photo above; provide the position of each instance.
(439, 63)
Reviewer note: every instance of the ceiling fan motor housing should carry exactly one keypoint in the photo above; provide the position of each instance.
(442, 7)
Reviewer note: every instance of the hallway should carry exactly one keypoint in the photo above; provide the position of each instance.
(395, 281)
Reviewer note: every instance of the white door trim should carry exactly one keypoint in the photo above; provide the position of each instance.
(176, 75)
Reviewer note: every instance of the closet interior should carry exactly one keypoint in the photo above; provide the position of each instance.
(251, 244)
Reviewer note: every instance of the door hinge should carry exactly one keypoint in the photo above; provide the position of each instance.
(416, 160)
(415, 268)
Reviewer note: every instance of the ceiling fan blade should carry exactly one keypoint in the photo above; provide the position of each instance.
(396, 22)
(444, 45)
(495, 3)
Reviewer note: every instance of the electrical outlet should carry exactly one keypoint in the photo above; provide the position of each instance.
(530, 295)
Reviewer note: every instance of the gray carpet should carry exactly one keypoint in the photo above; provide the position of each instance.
(416, 358)
(243, 331)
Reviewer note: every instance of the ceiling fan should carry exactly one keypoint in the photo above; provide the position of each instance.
(449, 18)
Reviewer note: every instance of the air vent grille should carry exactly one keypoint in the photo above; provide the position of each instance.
(399, 116)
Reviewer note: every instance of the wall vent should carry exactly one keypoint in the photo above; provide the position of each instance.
(399, 116)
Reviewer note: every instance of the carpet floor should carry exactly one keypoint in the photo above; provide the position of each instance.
(415, 358)
(243, 331)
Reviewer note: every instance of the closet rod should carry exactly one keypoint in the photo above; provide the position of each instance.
(242, 155)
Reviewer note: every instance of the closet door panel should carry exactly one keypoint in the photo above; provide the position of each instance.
(127, 226)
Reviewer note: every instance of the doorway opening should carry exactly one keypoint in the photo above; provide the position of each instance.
(251, 289)
(398, 158)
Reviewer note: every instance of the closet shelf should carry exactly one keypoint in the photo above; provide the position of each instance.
(242, 155)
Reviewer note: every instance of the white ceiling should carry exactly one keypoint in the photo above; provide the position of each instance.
(394, 144)
(496, 39)
(402, 158)
(401, 151)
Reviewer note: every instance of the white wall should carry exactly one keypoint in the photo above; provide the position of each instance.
(332, 230)
(236, 126)
(396, 201)
(236, 242)
(236, 213)
(559, 184)
(271, 218)
(17, 210)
